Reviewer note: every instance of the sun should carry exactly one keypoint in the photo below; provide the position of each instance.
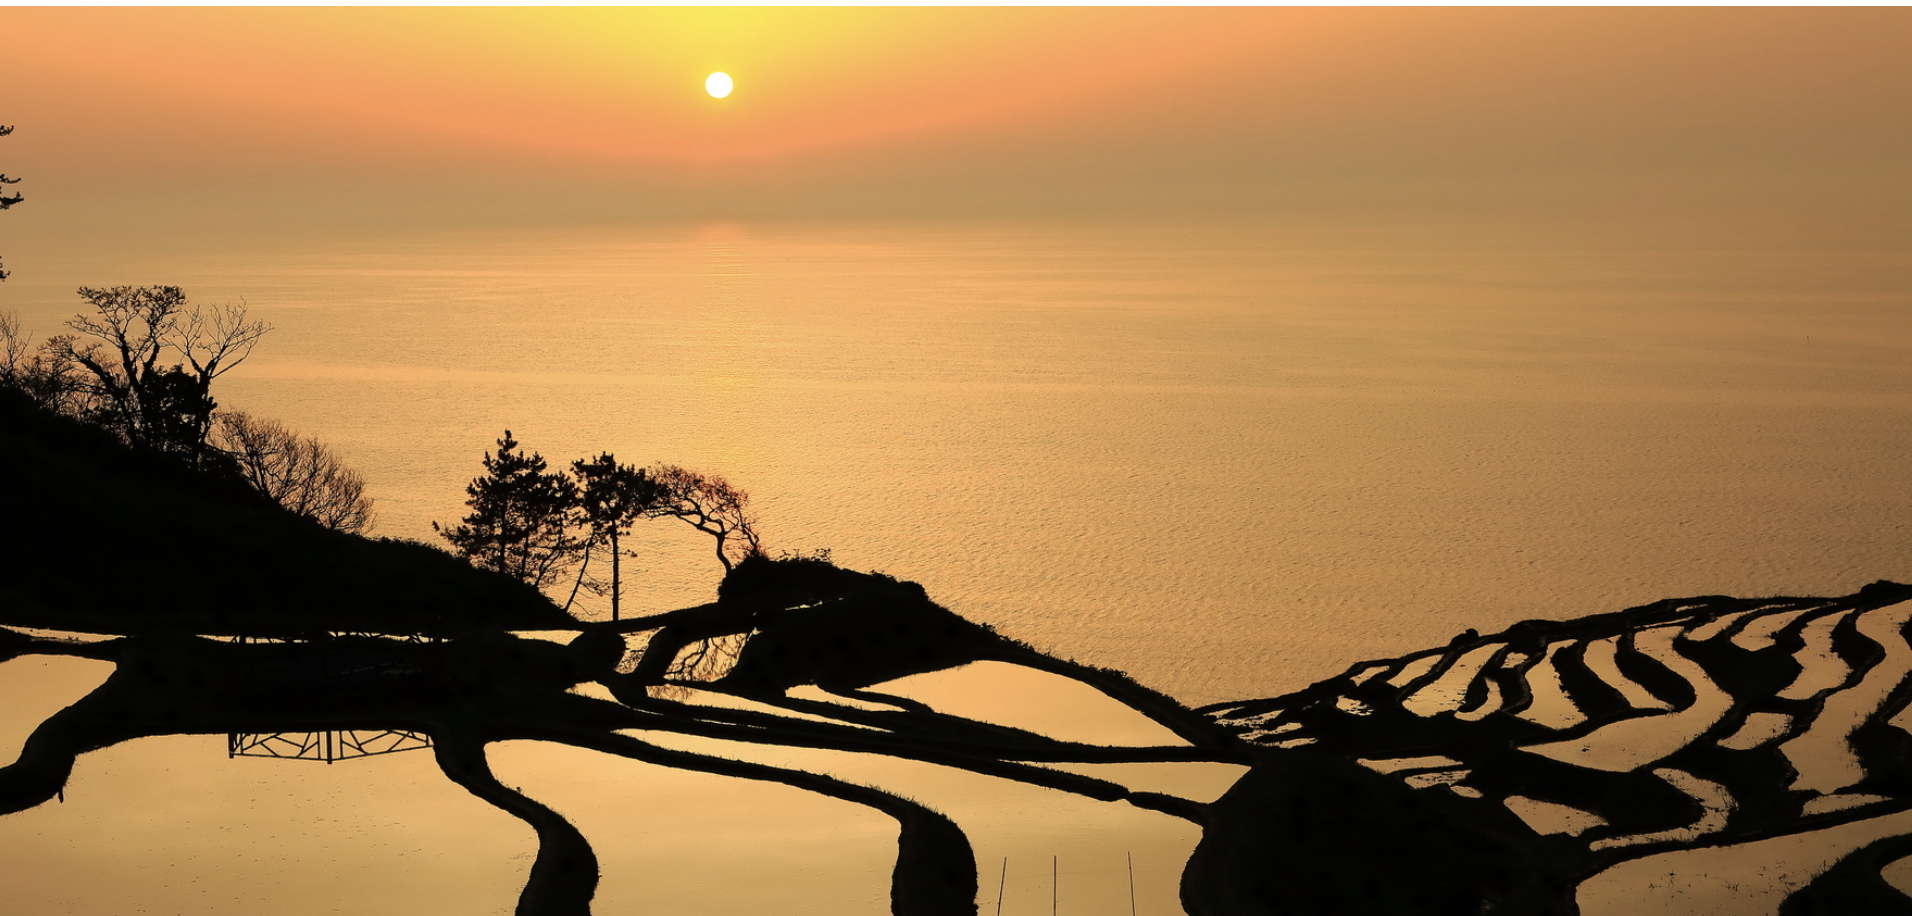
(717, 84)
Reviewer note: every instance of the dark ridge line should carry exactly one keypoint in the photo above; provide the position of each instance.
(1485, 684)
(1652, 675)
(559, 886)
(47, 758)
(1172, 805)
(824, 736)
(1446, 659)
(719, 618)
(1029, 746)
(648, 622)
(1855, 884)
(1597, 701)
(939, 727)
(1900, 697)
(896, 723)
(1799, 719)
(872, 696)
(564, 876)
(15, 645)
(1652, 803)
(1600, 626)
(1011, 741)
(1804, 712)
(1516, 695)
(1185, 723)
(1420, 682)
(1436, 768)
(935, 873)
(1805, 823)
(1860, 653)
(1570, 664)
(732, 612)
(1739, 626)
(1043, 777)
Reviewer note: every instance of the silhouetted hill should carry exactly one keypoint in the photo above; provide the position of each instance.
(816, 623)
(101, 537)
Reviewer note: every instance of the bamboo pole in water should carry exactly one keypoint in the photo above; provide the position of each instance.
(1052, 885)
(1003, 882)
(1131, 885)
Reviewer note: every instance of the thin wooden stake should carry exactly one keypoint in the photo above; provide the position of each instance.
(1131, 884)
(1001, 883)
(1052, 885)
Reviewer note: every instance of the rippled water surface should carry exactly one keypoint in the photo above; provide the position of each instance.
(1230, 461)
(1227, 460)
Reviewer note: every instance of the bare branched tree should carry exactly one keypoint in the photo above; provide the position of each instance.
(299, 473)
(217, 339)
(711, 505)
(50, 382)
(122, 348)
(167, 408)
(14, 343)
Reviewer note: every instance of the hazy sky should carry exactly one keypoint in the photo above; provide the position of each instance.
(428, 115)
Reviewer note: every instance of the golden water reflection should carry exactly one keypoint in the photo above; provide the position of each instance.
(170, 825)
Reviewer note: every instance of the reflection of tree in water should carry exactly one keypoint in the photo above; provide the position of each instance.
(470, 691)
(700, 662)
(1493, 774)
(1497, 771)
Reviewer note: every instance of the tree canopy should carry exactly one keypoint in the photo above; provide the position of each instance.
(299, 472)
(110, 372)
(125, 387)
(538, 525)
(520, 520)
(111, 538)
(611, 498)
(710, 504)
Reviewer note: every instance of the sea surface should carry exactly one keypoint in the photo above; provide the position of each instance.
(1229, 459)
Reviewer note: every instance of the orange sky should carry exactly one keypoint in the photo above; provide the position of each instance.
(924, 111)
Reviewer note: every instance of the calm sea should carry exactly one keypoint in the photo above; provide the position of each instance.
(1228, 459)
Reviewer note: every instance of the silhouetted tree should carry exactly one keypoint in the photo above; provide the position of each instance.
(165, 408)
(520, 519)
(7, 200)
(711, 505)
(299, 473)
(611, 498)
(536, 525)
(116, 381)
(47, 380)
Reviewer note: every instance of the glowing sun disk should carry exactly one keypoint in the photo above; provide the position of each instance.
(717, 84)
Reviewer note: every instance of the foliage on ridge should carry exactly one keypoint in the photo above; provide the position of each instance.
(108, 538)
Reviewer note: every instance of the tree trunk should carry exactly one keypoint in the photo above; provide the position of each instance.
(617, 585)
(579, 582)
